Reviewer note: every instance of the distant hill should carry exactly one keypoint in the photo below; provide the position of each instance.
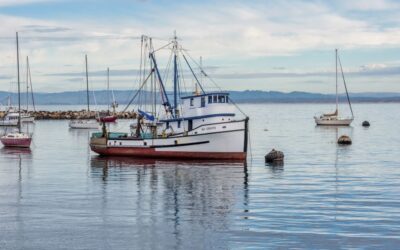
(247, 96)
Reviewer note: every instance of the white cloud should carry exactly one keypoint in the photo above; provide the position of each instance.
(217, 32)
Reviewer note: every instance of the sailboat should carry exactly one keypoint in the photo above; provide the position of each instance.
(108, 117)
(85, 124)
(203, 125)
(17, 138)
(334, 119)
(12, 114)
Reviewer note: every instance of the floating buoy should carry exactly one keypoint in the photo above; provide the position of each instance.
(274, 156)
(365, 124)
(344, 140)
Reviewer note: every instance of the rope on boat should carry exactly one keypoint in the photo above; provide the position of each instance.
(345, 86)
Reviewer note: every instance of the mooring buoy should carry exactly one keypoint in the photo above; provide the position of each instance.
(344, 140)
(365, 124)
(274, 156)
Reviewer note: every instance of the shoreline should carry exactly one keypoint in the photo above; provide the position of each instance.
(71, 115)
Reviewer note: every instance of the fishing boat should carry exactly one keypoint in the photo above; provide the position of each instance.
(17, 138)
(89, 123)
(199, 125)
(333, 118)
(108, 116)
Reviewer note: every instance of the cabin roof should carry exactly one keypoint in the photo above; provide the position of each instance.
(206, 94)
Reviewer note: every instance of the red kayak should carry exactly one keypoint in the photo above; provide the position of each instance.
(108, 118)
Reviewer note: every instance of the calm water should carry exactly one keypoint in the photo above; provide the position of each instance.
(61, 196)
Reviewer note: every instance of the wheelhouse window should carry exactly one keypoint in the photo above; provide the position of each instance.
(191, 101)
(209, 99)
(203, 101)
(215, 99)
(221, 99)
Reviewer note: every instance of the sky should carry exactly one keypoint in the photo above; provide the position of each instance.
(283, 45)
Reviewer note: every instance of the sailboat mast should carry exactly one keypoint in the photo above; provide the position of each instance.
(108, 90)
(27, 85)
(337, 97)
(175, 76)
(87, 83)
(19, 88)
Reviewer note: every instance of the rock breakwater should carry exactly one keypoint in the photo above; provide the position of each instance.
(67, 115)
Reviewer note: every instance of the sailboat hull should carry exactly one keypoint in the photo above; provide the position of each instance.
(84, 124)
(333, 122)
(110, 118)
(229, 145)
(16, 142)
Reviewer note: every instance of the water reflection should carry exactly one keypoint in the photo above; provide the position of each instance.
(189, 195)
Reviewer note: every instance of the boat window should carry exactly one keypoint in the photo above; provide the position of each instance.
(226, 99)
(215, 100)
(221, 99)
(179, 124)
(209, 99)
(203, 101)
(191, 101)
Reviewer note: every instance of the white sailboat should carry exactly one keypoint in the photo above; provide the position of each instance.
(202, 125)
(11, 119)
(90, 123)
(334, 119)
(17, 138)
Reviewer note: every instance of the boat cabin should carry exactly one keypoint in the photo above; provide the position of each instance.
(198, 110)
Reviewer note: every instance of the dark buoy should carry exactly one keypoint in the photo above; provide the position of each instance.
(365, 124)
(344, 140)
(274, 156)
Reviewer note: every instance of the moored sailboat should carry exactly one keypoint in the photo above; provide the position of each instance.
(89, 123)
(334, 119)
(197, 126)
(109, 117)
(17, 138)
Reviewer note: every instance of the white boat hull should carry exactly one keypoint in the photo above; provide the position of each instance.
(226, 140)
(27, 119)
(333, 122)
(8, 122)
(84, 124)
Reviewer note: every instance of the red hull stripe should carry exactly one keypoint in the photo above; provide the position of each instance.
(152, 153)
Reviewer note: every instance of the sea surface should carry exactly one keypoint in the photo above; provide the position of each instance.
(59, 195)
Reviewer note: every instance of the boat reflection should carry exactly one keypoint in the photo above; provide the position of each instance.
(15, 151)
(101, 161)
(189, 194)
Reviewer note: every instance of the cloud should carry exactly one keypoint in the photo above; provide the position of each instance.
(236, 36)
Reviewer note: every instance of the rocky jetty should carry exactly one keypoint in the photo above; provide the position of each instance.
(67, 115)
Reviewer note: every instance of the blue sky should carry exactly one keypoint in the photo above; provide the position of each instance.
(262, 45)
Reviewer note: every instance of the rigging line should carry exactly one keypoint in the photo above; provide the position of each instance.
(168, 67)
(345, 86)
(163, 47)
(216, 85)
(201, 87)
(182, 77)
(137, 92)
(30, 82)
